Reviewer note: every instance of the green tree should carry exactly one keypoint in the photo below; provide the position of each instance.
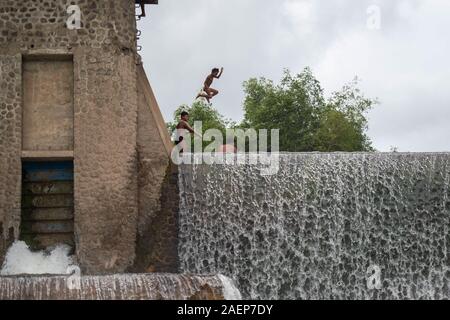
(337, 133)
(344, 124)
(307, 121)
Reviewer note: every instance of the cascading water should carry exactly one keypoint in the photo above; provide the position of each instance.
(112, 287)
(326, 226)
(21, 260)
(230, 291)
(40, 275)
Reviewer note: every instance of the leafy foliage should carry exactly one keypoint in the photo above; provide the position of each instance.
(298, 108)
(306, 119)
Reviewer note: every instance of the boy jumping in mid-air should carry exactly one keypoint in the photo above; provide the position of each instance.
(210, 92)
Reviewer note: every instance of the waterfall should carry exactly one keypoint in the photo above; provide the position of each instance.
(230, 291)
(112, 287)
(47, 275)
(325, 226)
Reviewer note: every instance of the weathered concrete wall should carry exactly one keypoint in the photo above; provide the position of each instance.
(157, 242)
(47, 105)
(158, 188)
(153, 161)
(105, 119)
(10, 148)
(31, 25)
(106, 204)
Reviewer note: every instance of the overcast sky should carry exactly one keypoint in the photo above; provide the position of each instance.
(404, 63)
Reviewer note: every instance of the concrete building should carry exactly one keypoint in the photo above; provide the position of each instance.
(84, 152)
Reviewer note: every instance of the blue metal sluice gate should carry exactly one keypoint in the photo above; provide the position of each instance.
(47, 204)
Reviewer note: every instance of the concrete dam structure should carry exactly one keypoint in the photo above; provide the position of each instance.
(323, 226)
(86, 182)
(115, 287)
(85, 158)
(80, 130)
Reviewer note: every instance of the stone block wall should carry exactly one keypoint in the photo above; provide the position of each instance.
(31, 24)
(105, 120)
(105, 160)
(10, 148)
(157, 239)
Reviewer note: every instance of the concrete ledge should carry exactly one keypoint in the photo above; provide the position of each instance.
(150, 286)
(47, 55)
(47, 155)
(154, 108)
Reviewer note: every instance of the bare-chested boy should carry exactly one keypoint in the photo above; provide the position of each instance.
(210, 92)
(183, 128)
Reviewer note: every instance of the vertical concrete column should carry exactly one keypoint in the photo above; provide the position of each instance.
(157, 239)
(105, 159)
(10, 148)
(105, 120)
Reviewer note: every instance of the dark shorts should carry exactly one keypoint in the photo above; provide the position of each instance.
(179, 141)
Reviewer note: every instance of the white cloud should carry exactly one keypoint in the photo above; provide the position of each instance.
(404, 64)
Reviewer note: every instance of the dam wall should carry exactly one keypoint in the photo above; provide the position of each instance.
(83, 148)
(115, 287)
(326, 226)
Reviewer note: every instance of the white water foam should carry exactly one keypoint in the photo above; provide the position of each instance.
(21, 260)
(339, 212)
(230, 291)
